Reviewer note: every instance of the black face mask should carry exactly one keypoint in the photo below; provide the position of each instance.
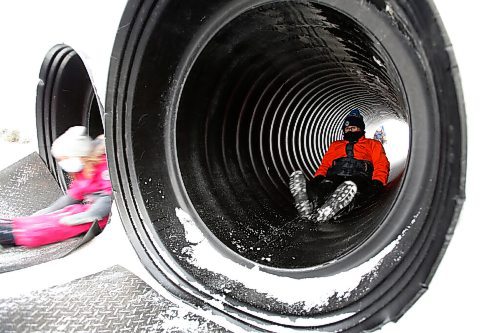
(353, 136)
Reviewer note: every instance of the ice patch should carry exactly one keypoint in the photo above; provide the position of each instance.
(193, 234)
(377, 60)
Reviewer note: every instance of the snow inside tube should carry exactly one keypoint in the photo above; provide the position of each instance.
(212, 105)
(65, 97)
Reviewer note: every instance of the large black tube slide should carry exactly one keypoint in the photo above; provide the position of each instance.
(65, 97)
(212, 105)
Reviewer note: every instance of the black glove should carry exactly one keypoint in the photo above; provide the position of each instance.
(316, 181)
(377, 186)
(314, 188)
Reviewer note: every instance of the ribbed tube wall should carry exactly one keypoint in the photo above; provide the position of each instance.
(266, 97)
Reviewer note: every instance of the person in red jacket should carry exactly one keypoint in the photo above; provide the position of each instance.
(353, 167)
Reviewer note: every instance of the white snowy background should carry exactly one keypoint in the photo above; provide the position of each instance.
(463, 295)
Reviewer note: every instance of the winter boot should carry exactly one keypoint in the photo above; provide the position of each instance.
(6, 234)
(339, 199)
(299, 193)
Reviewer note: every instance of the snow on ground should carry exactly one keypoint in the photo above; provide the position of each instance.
(12, 152)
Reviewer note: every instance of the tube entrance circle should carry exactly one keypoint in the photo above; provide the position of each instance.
(265, 97)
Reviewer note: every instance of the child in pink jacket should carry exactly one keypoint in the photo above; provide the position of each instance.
(88, 198)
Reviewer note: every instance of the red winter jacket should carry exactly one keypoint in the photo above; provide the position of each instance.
(365, 149)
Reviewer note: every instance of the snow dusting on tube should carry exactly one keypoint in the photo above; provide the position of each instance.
(203, 255)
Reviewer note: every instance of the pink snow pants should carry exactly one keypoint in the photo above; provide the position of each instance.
(33, 231)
